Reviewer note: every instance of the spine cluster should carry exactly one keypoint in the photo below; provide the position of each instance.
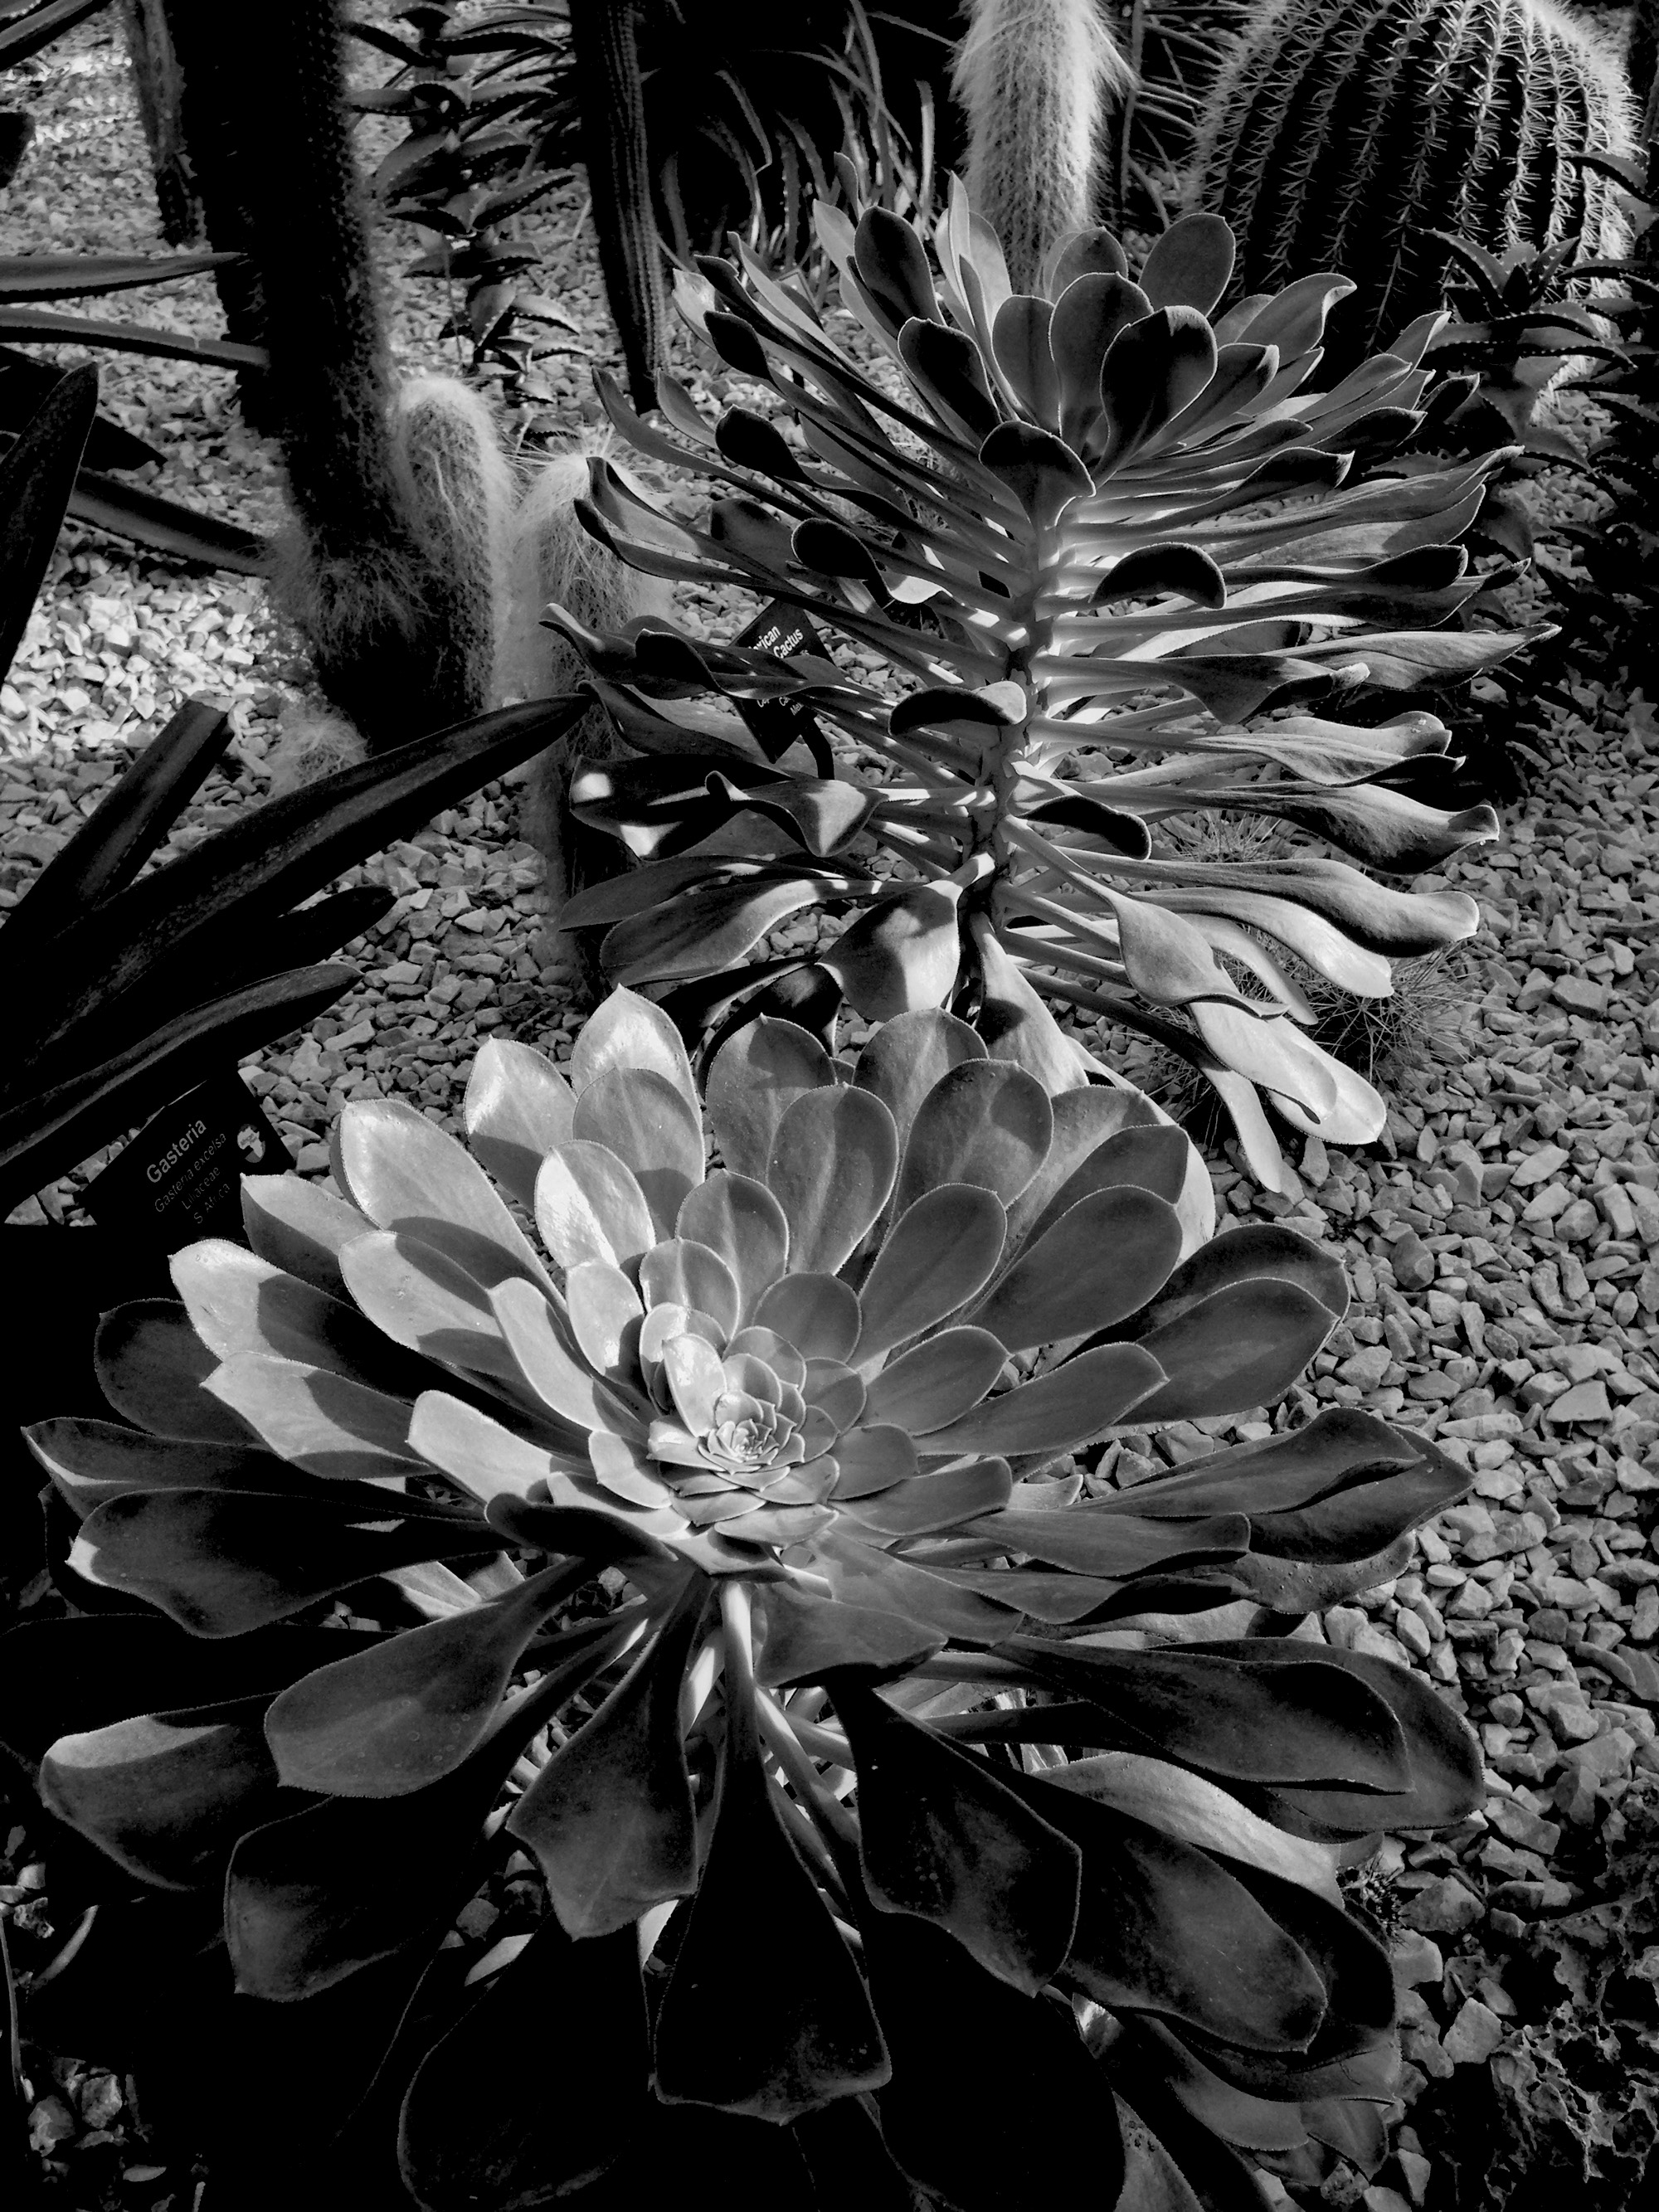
(1342, 132)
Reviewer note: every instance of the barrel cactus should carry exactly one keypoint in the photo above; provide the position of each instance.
(1343, 132)
(812, 1415)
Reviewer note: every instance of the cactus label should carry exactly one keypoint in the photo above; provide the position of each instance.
(180, 1177)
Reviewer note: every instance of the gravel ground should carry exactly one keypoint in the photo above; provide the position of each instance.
(1503, 1244)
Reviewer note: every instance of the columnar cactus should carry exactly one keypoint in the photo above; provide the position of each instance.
(460, 497)
(1036, 78)
(605, 35)
(1343, 132)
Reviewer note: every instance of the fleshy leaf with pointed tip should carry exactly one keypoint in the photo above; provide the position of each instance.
(518, 1107)
(610, 1818)
(834, 1154)
(942, 1838)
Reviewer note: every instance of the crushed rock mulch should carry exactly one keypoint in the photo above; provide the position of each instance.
(1502, 1241)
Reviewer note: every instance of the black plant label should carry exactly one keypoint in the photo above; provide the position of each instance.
(180, 1177)
(777, 724)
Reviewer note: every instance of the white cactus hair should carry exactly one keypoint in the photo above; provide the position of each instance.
(1035, 80)
(314, 742)
(460, 495)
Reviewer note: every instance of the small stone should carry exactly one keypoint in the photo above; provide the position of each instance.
(1417, 2171)
(1367, 1367)
(1411, 1633)
(1412, 1262)
(1447, 1907)
(1579, 995)
(1537, 1167)
(1523, 1826)
(1377, 2198)
(1583, 1401)
(1415, 1960)
(1474, 2035)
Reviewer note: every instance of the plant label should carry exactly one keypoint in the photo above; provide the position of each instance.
(777, 724)
(180, 1177)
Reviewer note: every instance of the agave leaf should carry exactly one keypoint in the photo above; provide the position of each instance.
(296, 1226)
(901, 956)
(874, 1581)
(936, 1380)
(408, 1175)
(388, 1722)
(590, 1207)
(1341, 1445)
(908, 1055)
(739, 1219)
(1242, 1348)
(92, 1461)
(1196, 1811)
(754, 1076)
(1446, 1780)
(485, 1459)
(1086, 317)
(610, 1818)
(165, 1795)
(816, 2038)
(221, 1563)
(1083, 1120)
(1242, 1255)
(1015, 1024)
(833, 1159)
(129, 511)
(1163, 1929)
(311, 1900)
(518, 1108)
(647, 1121)
(923, 1504)
(678, 1271)
(574, 2008)
(543, 1357)
(1085, 1540)
(941, 1837)
(1069, 1406)
(941, 1250)
(1103, 1258)
(1019, 340)
(315, 1418)
(818, 1314)
(806, 1636)
(1240, 1719)
(938, 2008)
(987, 1122)
(106, 851)
(151, 1366)
(36, 479)
(1190, 264)
(240, 1303)
(872, 1457)
(628, 1031)
(420, 1298)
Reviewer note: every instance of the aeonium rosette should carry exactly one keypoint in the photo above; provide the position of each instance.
(815, 1408)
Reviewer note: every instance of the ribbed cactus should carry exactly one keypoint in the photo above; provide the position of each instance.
(604, 34)
(1341, 131)
(1035, 80)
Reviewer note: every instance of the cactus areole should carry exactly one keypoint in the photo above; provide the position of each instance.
(812, 1414)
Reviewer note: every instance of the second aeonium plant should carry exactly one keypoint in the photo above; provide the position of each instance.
(882, 1759)
(1099, 554)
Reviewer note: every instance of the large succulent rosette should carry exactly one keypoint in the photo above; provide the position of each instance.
(1108, 563)
(730, 1541)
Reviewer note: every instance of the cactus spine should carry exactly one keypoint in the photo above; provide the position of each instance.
(1036, 80)
(1341, 131)
(605, 36)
